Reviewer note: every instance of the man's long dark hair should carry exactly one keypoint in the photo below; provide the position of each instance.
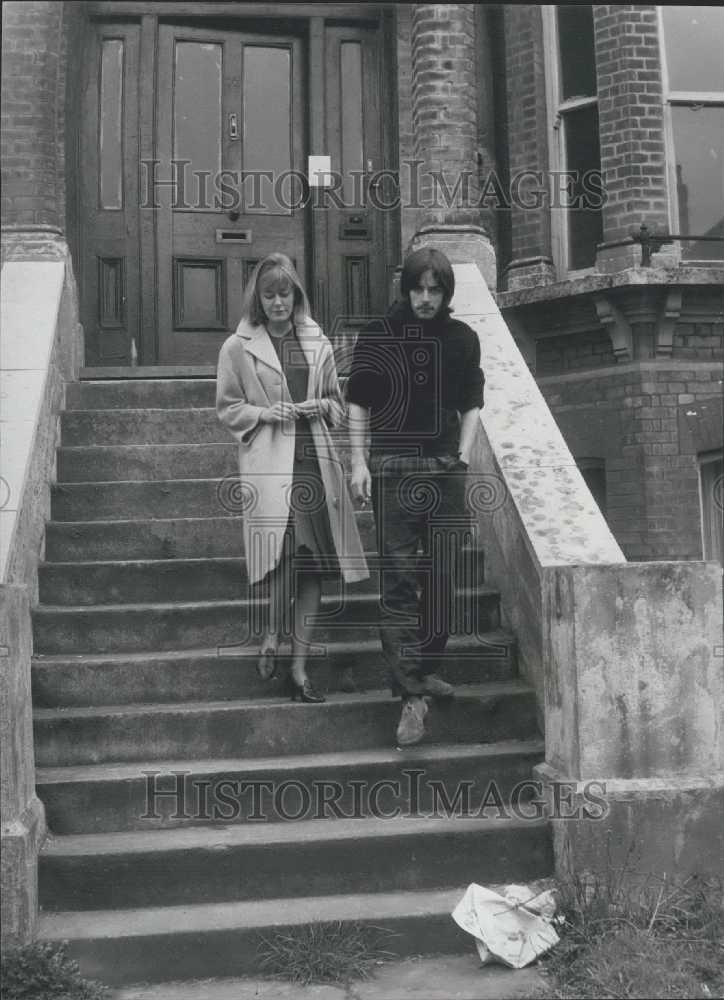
(428, 259)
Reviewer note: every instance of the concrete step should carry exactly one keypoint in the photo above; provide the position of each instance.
(143, 462)
(197, 425)
(155, 393)
(303, 858)
(223, 939)
(154, 795)
(152, 393)
(168, 499)
(203, 579)
(148, 538)
(159, 580)
(144, 678)
(129, 463)
(124, 733)
(117, 628)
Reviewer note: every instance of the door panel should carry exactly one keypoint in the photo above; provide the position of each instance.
(357, 272)
(166, 245)
(108, 234)
(229, 102)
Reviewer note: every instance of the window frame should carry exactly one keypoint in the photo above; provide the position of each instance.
(557, 108)
(671, 99)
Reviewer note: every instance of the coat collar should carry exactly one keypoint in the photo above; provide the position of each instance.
(258, 342)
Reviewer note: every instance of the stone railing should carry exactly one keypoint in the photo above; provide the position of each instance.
(625, 658)
(41, 350)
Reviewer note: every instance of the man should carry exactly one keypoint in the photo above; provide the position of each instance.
(416, 387)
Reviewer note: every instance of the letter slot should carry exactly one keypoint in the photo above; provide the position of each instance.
(233, 236)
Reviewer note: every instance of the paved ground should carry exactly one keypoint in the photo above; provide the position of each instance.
(448, 977)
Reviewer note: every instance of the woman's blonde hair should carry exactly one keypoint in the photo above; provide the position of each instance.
(252, 310)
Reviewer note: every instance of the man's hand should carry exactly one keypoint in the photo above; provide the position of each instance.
(279, 413)
(361, 482)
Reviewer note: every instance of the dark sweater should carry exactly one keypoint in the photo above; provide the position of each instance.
(416, 377)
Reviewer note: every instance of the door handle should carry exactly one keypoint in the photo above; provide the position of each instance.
(233, 126)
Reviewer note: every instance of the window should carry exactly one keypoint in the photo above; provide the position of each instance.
(577, 226)
(693, 67)
(593, 471)
(711, 494)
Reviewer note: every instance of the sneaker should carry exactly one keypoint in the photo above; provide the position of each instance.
(411, 727)
(436, 687)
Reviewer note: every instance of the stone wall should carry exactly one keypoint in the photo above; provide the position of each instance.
(41, 353)
(625, 657)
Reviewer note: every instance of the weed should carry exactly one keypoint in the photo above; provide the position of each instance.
(43, 971)
(629, 936)
(324, 952)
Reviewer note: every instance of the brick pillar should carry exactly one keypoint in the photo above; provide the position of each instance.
(631, 126)
(445, 127)
(531, 260)
(31, 44)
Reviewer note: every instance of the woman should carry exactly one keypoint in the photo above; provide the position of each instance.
(277, 392)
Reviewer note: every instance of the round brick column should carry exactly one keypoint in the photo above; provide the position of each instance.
(30, 57)
(445, 127)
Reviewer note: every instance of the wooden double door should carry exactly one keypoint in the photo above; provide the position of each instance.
(195, 165)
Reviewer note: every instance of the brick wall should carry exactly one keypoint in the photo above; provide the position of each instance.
(631, 121)
(31, 76)
(590, 349)
(628, 416)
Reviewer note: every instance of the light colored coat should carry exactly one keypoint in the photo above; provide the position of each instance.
(249, 379)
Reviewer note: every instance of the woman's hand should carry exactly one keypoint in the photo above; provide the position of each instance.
(311, 409)
(279, 413)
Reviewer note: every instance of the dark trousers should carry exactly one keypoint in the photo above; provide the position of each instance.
(422, 522)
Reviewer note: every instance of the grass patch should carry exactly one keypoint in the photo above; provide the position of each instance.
(332, 952)
(43, 971)
(627, 937)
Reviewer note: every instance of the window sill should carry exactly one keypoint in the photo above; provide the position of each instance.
(583, 283)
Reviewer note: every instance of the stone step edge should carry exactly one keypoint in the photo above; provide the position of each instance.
(489, 690)
(495, 637)
(68, 564)
(351, 598)
(322, 832)
(424, 754)
(256, 915)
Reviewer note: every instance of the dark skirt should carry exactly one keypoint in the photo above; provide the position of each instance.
(308, 539)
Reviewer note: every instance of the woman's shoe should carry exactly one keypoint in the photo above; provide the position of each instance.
(266, 665)
(305, 692)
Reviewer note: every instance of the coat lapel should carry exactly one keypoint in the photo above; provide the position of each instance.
(258, 342)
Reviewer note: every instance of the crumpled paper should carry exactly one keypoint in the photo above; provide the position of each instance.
(512, 927)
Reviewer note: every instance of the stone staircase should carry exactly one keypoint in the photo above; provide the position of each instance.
(192, 807)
